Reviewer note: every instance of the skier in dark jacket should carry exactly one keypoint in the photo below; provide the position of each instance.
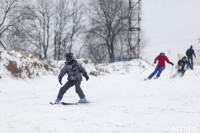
(183, 64)
(74, 71)
(190, 52)
(161, 65)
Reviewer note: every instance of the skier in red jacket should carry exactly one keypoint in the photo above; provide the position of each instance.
(161, 65)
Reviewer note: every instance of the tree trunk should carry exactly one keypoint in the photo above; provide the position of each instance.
(2, 45)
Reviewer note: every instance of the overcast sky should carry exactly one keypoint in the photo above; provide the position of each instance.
(171, 24)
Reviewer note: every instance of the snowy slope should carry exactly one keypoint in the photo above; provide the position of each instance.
(121, 102)
(22, 65)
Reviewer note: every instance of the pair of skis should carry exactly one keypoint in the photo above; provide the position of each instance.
(150, 79)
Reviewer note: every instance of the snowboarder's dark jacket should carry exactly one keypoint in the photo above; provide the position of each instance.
(183, 65)
(190, 52)
(74, 71)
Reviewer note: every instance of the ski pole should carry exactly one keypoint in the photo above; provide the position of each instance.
(146, 69)
(171, 70)
(195, 73)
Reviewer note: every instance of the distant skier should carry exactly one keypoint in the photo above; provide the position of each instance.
(190, 52)
(161, 65)
(74, 71)
(183, 64)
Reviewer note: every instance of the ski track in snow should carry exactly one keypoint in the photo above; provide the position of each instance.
(120, 103)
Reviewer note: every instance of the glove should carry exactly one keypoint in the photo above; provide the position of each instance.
(86, 77)
(188, 65)
(60, 81)
(154, 62)
(171, 63)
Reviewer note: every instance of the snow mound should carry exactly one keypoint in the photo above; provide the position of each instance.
(118, 67)
(104, 69)
(22, 65)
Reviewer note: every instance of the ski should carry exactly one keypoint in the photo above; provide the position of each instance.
(65, 103)
(52, 103)
(146, 79)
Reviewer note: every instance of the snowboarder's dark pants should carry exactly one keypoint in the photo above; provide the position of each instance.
(190, 60)
(69, 84)
(182, 72)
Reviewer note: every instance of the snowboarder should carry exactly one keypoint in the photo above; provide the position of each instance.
(183, 64)
(190, 52)
(161, 65)
(74, 71)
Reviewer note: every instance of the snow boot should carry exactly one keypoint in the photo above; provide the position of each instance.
(57, 101)
(83, 100)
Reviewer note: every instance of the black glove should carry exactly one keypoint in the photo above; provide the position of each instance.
(154, 62)
(171, 63)
(60, 81)
(86, 77)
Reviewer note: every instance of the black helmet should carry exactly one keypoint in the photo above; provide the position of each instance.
(191, 47)
(69, 55)
(162, 53)
(184, 57)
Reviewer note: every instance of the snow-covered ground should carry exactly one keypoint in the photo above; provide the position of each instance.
(121, 102)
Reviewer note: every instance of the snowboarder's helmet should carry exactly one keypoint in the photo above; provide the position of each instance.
(183, 58)
(191, 47)
(69, 55)
(162, 53)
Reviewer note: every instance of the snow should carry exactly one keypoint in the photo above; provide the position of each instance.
(121, 102)
(26, 64)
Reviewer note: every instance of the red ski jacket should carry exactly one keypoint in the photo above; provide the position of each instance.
(161, 60)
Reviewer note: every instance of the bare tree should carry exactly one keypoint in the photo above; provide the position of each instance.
(44, 15)
(7, 9)
(21, 35)
(61, 18)
(68, 26)
(11, 15)
(108, 20)
(77, 25)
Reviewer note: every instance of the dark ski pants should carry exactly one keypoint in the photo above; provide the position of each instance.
(69, 84)
(190, 60)
(179, 72)
(158, 70)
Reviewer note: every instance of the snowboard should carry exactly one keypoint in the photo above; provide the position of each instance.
(65, 103)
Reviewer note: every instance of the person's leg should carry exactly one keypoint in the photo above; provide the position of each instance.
(64, 89)
(189, 60)
(182, 73)
(160, 71)
(155, 71)
(79, 91)
(192, 65)
(176, 74)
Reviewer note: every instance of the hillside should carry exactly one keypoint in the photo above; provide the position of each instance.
(23, 65)
(121, 101)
